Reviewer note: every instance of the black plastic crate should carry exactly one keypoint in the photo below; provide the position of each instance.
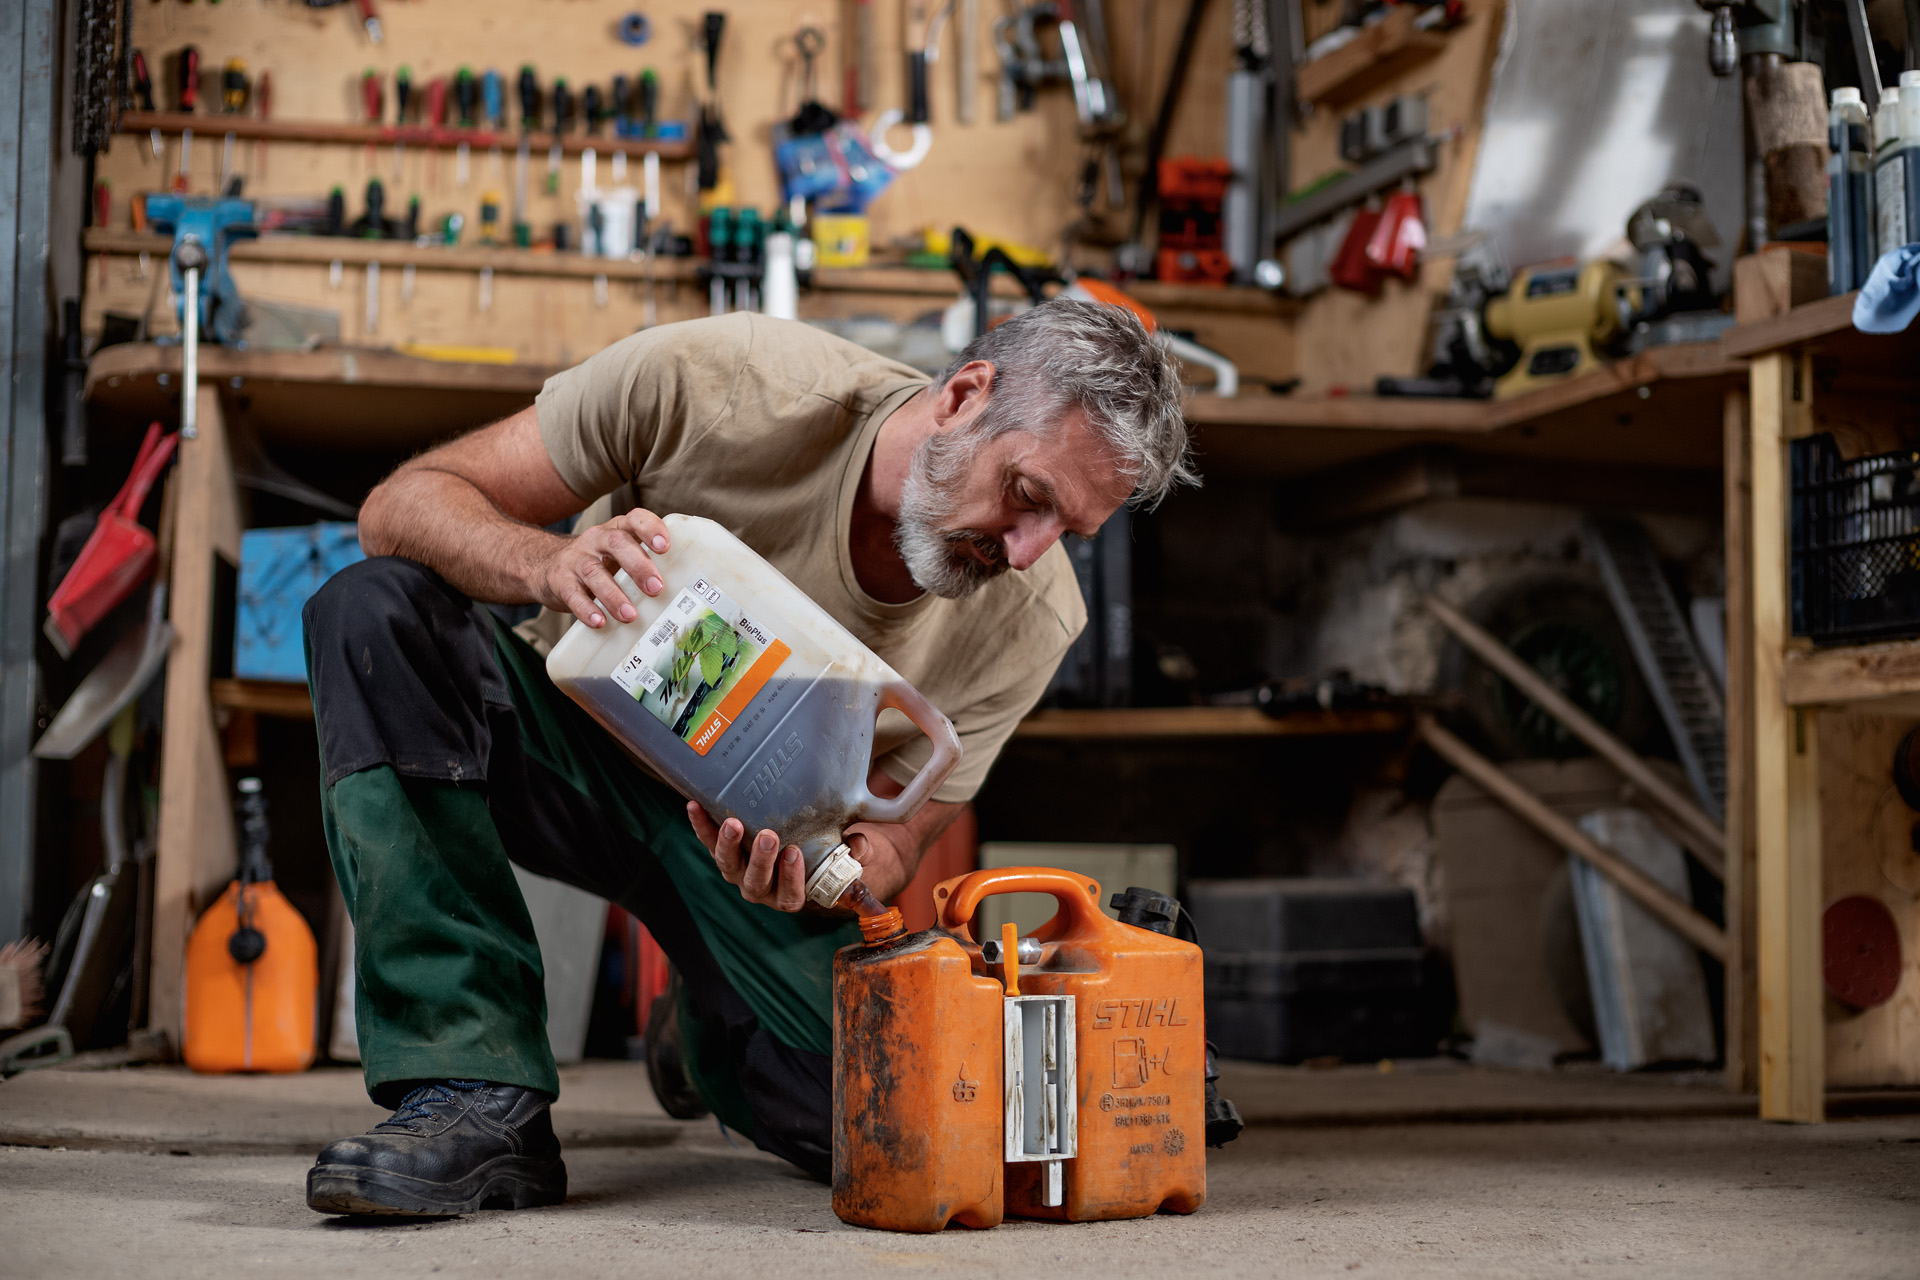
(1855, 537)
(1299, 969)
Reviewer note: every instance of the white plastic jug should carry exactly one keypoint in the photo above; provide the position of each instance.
(749, 698)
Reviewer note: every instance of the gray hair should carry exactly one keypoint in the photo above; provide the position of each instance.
(1068, 353)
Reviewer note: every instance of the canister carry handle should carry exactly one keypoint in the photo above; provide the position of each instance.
(926, 717)
(1079, 897)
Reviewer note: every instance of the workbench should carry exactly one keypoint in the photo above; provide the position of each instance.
(1821, 723)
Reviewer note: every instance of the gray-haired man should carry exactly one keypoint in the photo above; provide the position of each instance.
(898, 505)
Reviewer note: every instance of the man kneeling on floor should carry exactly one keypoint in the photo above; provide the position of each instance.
(897, 504)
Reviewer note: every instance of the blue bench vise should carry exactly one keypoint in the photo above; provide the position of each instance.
(212, 223)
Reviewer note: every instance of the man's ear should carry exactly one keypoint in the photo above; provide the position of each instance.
(965, 394)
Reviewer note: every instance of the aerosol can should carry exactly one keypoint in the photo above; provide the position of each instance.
(1061, 1075)
(748, 697)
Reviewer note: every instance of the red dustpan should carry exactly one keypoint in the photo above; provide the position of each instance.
(118, 555)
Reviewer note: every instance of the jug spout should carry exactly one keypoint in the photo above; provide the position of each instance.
(827, 881)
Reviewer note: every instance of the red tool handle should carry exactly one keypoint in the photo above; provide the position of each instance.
(437, 102)
(372, 95)
(155, 452)
(189, 77)
(263, 95)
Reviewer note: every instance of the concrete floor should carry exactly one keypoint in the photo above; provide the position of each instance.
(1433, 1170)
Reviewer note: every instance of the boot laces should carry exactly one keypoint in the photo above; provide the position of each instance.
(421, 1103)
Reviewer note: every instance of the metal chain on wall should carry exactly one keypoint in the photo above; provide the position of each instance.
(96, 80)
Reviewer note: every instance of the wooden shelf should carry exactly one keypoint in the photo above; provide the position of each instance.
(1660, 408)
(1380, 52)
(536, 262)
(334, 398)
(285, 700)
(174, 123)
(353, 251)
(1852, 673)
(1803, 323)
(289, 700)
(1205, 722)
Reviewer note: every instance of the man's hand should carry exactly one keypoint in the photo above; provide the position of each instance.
(888, 853)
(576, 571)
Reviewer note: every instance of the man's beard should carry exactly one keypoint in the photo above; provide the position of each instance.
(938, 557)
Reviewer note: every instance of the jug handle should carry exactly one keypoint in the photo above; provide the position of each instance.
(926, 717)
(1079, 897)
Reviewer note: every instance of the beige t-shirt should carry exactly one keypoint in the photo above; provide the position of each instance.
(765, 427)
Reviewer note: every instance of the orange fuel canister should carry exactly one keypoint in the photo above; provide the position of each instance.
(1136, 1051)
(257, 1015)
(253, 972)
(1061, 1075)
(916, 1082)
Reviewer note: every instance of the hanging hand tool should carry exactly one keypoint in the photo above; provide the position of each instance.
(593, 108)
(490, 217)
(622, 107)
(465, 96)
(859, 86)
(649, 105)
(437, 117)
(369, 20)
(263, 107)
(143, 89)
(712, 129)
(967, 62)
(529, 121)
(920, 62)
(188, 69)
(234, 93)
(373, 101)
(402, 104)
(494, 103)
(562, 117)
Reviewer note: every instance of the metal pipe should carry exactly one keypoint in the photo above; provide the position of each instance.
(190, 357)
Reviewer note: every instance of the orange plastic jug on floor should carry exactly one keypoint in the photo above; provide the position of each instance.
(1061, 1075)
(253, 972)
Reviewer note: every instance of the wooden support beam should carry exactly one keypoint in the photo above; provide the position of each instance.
(196, 853)
(1583, 726)
(1786, 790)
(1635, 883)
(1743, 1047)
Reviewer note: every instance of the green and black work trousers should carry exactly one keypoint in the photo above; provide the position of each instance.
(447, 754)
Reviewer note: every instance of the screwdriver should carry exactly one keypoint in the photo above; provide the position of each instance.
(437, 117)
(594, 107)
(649, 101)
(402, 107)
(490, 217)
(262, 103)
(493, 103)
(622, 107)
(373, 98)
(234, 92)
(189, 71)
(143, 86)
(463, 96)
(562, 117)
(529, 121)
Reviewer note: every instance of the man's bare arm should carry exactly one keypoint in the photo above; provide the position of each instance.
(472, 511)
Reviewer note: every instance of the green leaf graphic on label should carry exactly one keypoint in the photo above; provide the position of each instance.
(711, 661)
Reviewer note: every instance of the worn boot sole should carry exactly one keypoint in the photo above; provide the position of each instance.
(507, 1182)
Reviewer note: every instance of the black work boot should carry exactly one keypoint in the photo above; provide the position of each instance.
(451, 1147)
